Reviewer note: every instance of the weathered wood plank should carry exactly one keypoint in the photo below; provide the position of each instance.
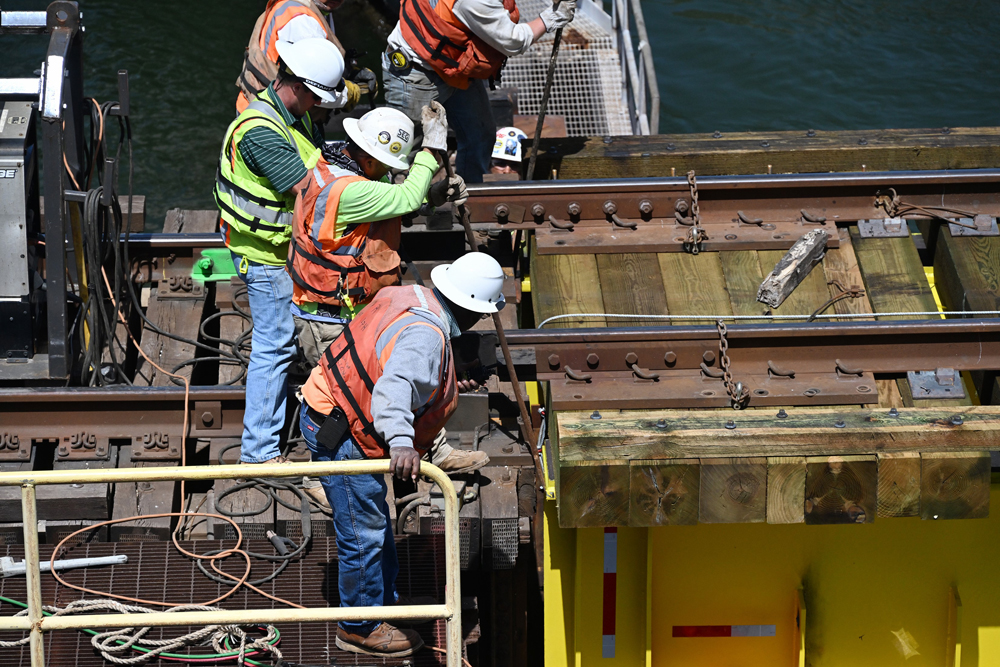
(232, 325)
(742, 274)
(733, 490)
(766, 152)
(694, 284)
(565, 284)
(634, 434)
(629, 285)
(810, 294)
(841, 265)
(955, 485)
(182, 221)
(594, 495)
(786, 489)
(664, 494)
(140, 498)
(898, 484)
(841, 489)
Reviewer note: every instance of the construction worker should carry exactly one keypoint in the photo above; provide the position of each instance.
(290, 21)
(346, 232)
(266, 156)
(446, 50)
(507, 151)
(384, 389)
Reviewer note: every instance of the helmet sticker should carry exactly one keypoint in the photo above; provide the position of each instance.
(403, 135)
(396, 147)
(383, 137)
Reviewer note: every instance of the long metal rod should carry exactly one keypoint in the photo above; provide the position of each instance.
(544, 105)
(451, 611)
(653, 113)
(29, 514)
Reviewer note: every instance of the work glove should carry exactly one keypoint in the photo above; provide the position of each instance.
(559, 15)
(450, 189)
(435, 125)
(404, 462)
(365, 78)
(353, 96)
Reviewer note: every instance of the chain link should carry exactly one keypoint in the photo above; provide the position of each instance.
(696, 235)
(737, 392)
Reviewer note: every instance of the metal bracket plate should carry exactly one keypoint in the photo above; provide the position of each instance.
(883, 228)
(985, 226)
(83, 446)
(13, 447)
(156, 446)
(939, 383)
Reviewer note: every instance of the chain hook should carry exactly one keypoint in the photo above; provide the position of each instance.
(696, 235)
(738, 394)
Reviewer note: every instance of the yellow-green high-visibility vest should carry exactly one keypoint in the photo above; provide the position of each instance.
(257, 219)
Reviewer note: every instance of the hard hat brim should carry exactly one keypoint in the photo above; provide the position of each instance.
(294, 60)
(439, 276)
(354, 132)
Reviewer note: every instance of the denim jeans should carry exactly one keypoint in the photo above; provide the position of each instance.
(269, 291)
(367, 563)
(469, 114)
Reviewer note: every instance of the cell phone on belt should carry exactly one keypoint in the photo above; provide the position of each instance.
(333, 428)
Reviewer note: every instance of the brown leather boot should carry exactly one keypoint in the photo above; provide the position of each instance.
(461, 460)
(385, 640)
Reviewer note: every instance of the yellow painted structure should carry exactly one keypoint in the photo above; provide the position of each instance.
(895, 592)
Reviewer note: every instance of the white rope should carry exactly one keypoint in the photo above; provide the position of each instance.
(114, 644)
(623, 316)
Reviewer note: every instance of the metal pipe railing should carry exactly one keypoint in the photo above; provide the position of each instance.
(646, 52)
(37, 624)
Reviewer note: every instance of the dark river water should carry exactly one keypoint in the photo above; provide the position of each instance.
(724, 65)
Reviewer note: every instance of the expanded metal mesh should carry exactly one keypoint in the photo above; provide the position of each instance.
(156, 570)
(504, 536)
(587, 87)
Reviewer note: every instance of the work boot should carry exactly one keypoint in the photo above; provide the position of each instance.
(385, 640)
(318, 495)
(461, 460)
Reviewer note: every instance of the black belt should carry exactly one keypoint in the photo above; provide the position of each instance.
(315, 415)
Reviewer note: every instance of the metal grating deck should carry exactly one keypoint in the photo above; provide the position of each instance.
(157, 571)
(587, 85)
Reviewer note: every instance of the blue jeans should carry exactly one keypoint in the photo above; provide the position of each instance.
(269, 290)
(367, 563)
(469, 114)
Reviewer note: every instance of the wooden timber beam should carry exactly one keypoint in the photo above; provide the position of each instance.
(771, 152)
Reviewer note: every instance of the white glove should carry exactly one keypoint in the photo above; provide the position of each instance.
(435, 125)
(558, 17)
(449, 189)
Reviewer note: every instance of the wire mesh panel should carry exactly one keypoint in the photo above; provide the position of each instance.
(587, 86)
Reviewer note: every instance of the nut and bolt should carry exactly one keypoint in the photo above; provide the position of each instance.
(708, 357)
(661, 423)
(501, 211)
(595, 415)
(573, 208)
(610, 207)
(730, 424)
(554, 360)
(782, 414)
(207, 418)
(840, 423)
(631, 358)
(538, 210)
(646, 207)
(670, 358)
(956, 420)
(593, 359)
(893, 412)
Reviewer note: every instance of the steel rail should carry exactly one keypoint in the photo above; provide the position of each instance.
(37, 624)
(743, 182)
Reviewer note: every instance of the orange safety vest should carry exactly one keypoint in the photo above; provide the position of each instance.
(325, 268)
(260, 61)
(351, 367)
(447, 45)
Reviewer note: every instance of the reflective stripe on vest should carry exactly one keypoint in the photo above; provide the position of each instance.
(351, 368)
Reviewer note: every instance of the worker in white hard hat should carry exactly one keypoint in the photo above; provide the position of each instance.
(445, 50)
(384, 389)
(266, 155)
(507, 151)
(291, 21)
(346, 233)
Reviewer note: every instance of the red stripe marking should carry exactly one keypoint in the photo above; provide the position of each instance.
(610, 587)
(703, 631)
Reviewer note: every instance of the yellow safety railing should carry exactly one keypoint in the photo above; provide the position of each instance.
(38, 624)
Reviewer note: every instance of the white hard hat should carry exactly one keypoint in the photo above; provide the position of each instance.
(474, 281)
(317, 62)
(385, 134)
(508, 144)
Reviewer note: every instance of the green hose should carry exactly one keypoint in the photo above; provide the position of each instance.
(183, 656)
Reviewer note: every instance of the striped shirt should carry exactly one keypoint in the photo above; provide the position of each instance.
(269, 154)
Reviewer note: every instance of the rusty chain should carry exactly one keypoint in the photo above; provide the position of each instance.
(852, 292)
(737, 392)
(895, 207)
(696, 235)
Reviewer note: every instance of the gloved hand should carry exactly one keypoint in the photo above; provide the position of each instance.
(435, 125)
(560, 17)
(365, 78)
(353, 96)
(448, 189)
